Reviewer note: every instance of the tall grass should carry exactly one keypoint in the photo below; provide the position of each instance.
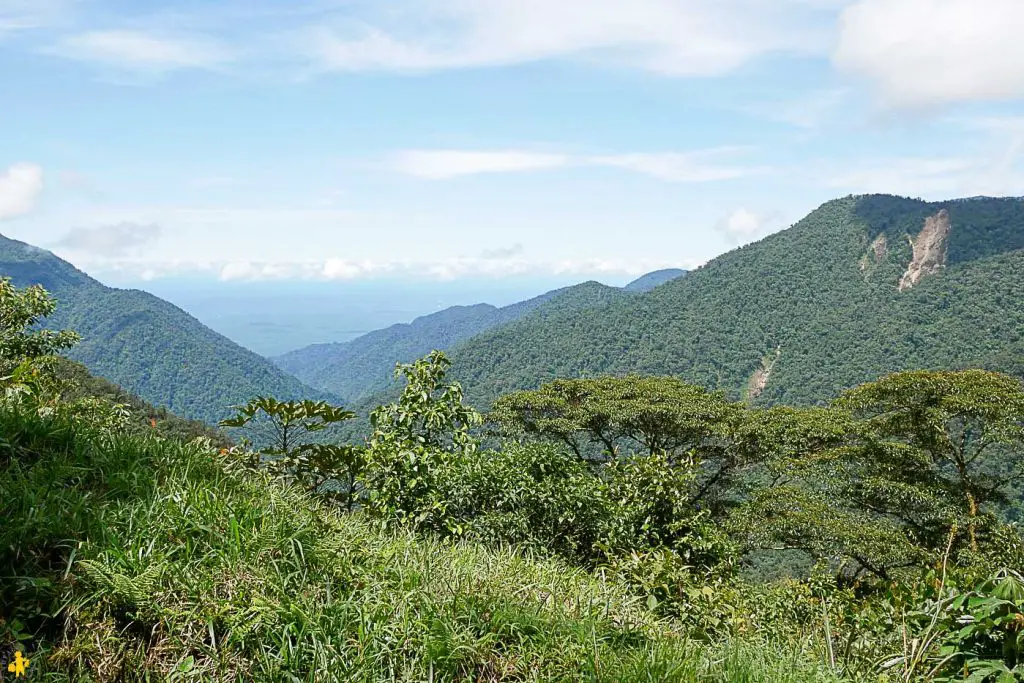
(135, 558)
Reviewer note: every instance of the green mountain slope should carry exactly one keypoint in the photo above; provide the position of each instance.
(146, 345)
(78, 383)
(363, 366)
(646, 283)
(797, 316)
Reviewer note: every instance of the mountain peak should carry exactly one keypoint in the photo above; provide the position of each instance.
(653, 279)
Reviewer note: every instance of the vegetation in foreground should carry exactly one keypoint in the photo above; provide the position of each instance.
(166, 560)
(608, 536)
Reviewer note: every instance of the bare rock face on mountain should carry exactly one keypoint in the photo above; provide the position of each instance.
(759, 380)
(930, 248)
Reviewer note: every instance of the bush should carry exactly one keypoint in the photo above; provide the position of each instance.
(537, 495)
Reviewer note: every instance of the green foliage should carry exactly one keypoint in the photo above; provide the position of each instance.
(413, 440)
(24, 347)
(985, 630)
(798, 517)
(329, 469)
(73, 383)
(129, 557)
(887, 476)
(975, 633)
(539, 496)
(653, 508)
(646, 283)
(691, 427)
(133, 552)
(20, 312)
(947, 442)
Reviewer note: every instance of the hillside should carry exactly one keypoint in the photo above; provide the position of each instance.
(647, 282)
(799, 315)
(363, 366)
(77, 383)
(146, 345)
(273, 585)
(134, 554)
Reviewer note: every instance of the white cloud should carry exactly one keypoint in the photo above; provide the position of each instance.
(111, 240)
(741, 224)
(20, 186)
(441, 164)
(339, 269)
(673, 37)
(680, 167)
(932, 52)
(142, 51)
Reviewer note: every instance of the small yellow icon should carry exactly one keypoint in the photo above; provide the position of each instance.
(19, 665)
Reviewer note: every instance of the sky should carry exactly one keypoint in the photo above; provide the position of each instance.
(439, 140)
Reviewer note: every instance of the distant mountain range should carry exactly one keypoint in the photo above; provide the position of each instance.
(146, 345)
(861, 287)
(358, 368)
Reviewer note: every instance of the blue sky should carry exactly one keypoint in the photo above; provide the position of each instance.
(347, 140)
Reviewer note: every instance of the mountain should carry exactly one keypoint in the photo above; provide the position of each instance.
(146, 345)
(78, 383)
(646, 283)
(861, 287)
(360, 367)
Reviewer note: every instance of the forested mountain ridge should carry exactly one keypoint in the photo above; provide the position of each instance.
(359, 368)
(147, 345)
(647, 282)
(799, 315)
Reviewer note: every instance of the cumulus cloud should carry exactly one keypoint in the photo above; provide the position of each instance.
(743, 225)
(111, 240)
(672, 37)
(20, 186)
(930, 52)
(142, 51)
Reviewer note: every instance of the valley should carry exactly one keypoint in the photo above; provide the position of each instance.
(492, 341)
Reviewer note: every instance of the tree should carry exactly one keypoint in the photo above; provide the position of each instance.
(22, 344)
(937, 446)
(286, 425)
(892, 472)
(413, 439)
(801, 516)
(624, 416)
(800, 499)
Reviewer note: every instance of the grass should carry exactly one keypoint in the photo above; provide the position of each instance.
(136, 558)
